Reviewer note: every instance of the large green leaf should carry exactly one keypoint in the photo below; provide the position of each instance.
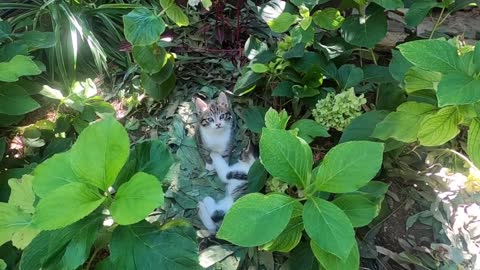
(13, 220)
(52, 174)
(420, 79)
(65, 205)
(20, 65)
(151, 58)
(291, 236)
(14, 100)
(329, 227)
(457, 89)
(419, 10)
(142, 27)
(348, 166)
(473, 142)
(439, 128)
(331, 262)
(174, 12)
(404, 124)
(399, 65)
(100, 152)
(143, 246)
(283, 22)
(389, 4)
(21, 193)
(329, 18)
(152, 157)
(158, 91)
(66, 248)
(359, 209)
(276, 120)
(433, 55)
(362, 126)
(136, 198)
(261, 217)
(349, 75)
(309, 129)
(365, 31)
(38, 40)
(476, 56)
(285, 156)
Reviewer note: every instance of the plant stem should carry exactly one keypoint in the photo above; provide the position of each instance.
(91, 258)
(437, 23)
(373, 57)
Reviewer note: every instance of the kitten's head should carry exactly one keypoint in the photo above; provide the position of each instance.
(216, 114)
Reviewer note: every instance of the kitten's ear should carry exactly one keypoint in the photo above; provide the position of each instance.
(201, 105)
(222, 100)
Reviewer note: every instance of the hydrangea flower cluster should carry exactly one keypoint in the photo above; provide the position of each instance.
(337, 111)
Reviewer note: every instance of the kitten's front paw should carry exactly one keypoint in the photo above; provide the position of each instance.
(209, 167)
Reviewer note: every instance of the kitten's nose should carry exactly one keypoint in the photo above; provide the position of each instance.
(218, 124)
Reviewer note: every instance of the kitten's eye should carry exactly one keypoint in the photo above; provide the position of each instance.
(222, 116)
(210, 119)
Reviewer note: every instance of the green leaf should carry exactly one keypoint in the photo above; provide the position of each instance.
(246, 83)
(329, 227)
(433, 55)
(349, 75)
(399, 65)
(289, 238)
(136, 198)
(255, 118)
(362, 126)
(348, 166)
(283, 22)
(52, 174)
(309, 129)
(276, 120)
(21, 194)
(257, 176)
(174, 12)
(100, 152)
(13, 220)
(3, 144)
(142, 27)
(152, 157)
(261, 217)
(329, 18)
(418, 11)
(283, 89)
(14, 100)
(77, 201)
(259, 68)
(404, 124)
(439, 128)
(389, 4)
(285, 156)
(365, 31)
(420, 79)
(331, 262)
(151, 58)
(457, 89)
(66, 248)
(20, 65)
(38, 40)
(158, 91)
(473, 142)
(144, 246)
(359, 209)
(253, 47)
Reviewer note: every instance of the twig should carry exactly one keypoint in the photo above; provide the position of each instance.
(437, 23)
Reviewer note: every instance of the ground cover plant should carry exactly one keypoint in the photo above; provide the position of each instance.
(365, 114)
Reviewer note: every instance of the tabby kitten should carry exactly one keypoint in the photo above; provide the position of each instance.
(215, 129)
(211, 213)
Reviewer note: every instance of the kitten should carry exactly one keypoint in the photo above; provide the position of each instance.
(211, 213)
(215, 129)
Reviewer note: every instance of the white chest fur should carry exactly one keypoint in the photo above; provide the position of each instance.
(216, 140)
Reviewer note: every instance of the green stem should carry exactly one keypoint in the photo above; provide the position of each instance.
(91, 258)
(373, 57)
(437, 23)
